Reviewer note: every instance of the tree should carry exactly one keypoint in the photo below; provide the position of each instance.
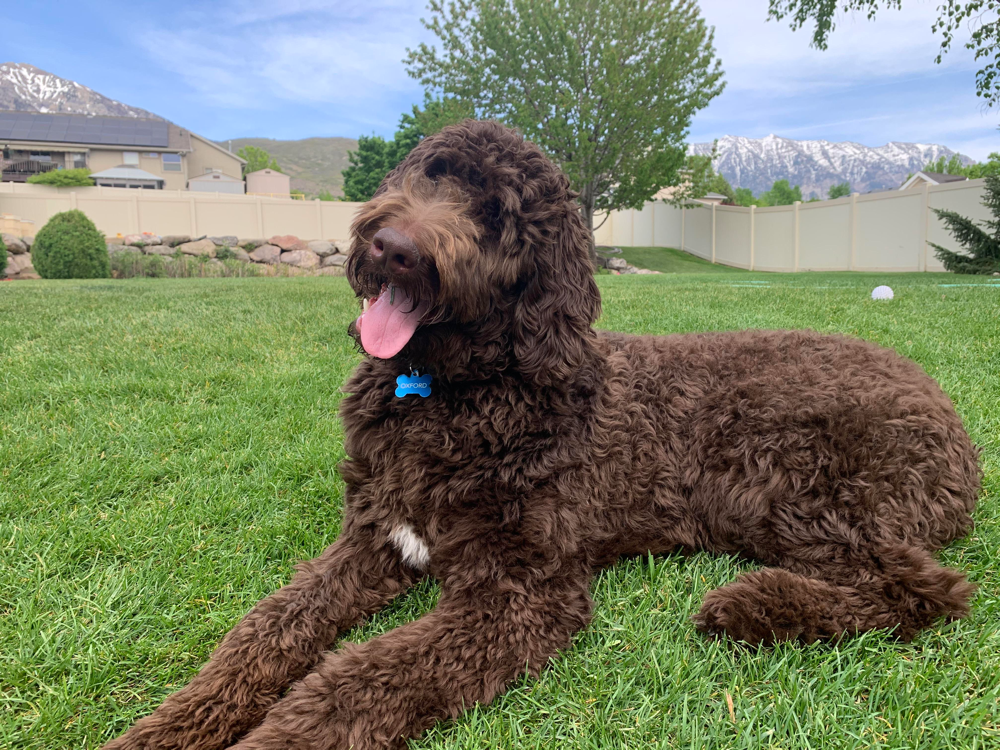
(978, 15)
(841, 190)
(973, 171)
(375, 157)
(982, 245)
(325, 195)
(698, 178)
(606, 88)
(744, 197)
(257, 159)
(780, 194)
(63, 178)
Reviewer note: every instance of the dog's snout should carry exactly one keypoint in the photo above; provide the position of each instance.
(393, 251)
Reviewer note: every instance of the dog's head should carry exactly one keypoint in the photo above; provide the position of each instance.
(472, 257)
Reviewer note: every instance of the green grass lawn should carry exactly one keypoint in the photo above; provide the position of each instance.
(669, 260)
(168, 451)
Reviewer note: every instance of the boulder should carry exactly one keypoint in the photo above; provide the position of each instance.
(334, 261)
(29, 241)
(199, 247)
(15, 246)
(251, 244)
(617, 264)
(134, 240)
(288, 242)
(229, 240)
(240, 254)
(10, 264)
(341, 246)
(173, 240)
(159, 250)
(266, 254)
(20, 264)
(322, 248)
(301, 258)
(114, 249)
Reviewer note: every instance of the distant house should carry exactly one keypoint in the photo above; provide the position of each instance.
(36, 142)
(216, 182)
(269, 182)
(931, 178)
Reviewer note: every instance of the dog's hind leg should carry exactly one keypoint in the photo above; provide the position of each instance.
(277, 643)
(901, 588)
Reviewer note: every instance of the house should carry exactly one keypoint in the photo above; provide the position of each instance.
(36, 142)
(216, 182)
(127, 177)
(269, 182)
(931, 178)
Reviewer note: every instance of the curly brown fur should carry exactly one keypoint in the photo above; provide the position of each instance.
(547, 451)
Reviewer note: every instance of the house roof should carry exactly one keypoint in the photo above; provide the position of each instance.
(214, 177)
(39, 127)
(125, 172)
(934, 178)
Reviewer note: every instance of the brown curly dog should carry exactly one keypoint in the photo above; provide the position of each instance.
(546, 450)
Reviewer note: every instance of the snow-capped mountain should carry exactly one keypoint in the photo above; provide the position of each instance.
(25, 88)
(756, 163)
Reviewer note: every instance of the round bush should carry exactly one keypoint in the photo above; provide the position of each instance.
(70, 247)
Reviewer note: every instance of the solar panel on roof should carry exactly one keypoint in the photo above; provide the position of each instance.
(36, 126)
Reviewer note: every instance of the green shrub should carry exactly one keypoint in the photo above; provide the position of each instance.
(63, 178)
(224, 253)
(3, 256)
(70, 247)
(128, 265)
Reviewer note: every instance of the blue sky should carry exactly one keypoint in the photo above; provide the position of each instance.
(301, 68)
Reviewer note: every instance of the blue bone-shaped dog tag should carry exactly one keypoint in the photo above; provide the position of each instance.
(413, 384)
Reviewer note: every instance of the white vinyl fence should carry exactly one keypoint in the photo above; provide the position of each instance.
(885, 231)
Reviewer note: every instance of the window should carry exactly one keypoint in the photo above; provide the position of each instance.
(171, 162)
(79, 161)
(130, 157)
(41, 156)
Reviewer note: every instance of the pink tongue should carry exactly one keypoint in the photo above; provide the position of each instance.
(387, 325)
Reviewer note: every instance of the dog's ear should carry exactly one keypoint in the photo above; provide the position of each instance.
(558, 304)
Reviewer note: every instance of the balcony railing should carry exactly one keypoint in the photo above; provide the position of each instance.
(21, 169)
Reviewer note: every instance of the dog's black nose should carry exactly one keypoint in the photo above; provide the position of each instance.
(393, 251)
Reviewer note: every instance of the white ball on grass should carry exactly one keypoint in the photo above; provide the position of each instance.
(882, 292)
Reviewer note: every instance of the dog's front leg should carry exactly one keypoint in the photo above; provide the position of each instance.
(468, 650)
(277, 643)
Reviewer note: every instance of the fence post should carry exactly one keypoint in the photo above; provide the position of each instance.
(853, 265)
(682, 226)
(135, 213)
(753, 217)
(924, 227)
(713, 233)
(194, 217)
(796, 210)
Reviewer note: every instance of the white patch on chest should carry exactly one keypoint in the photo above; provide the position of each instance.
(411, 546)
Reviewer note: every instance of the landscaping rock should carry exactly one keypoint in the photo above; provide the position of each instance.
(199, 247)
(114, 249)
(14, 244)
(301, 258)
(342, 246)
(159, 250)
(288, 242)
(29, 241)
(173, 240)
(240, 254)
(334, 260)
(229, 240)
(322, 248)
(616, 264)
(251, 244)
(20, 264)
(134, 240)
(268, 254)
(10, 263)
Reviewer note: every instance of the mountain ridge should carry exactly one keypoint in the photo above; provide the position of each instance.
(25, 88)
(816, 165)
